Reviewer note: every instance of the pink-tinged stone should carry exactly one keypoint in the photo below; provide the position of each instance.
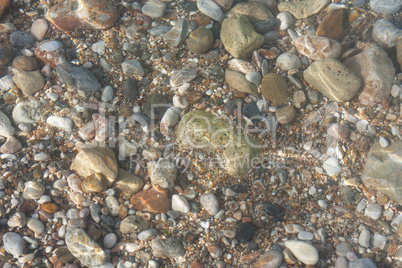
(241, 66)
(51, 52)
(101, 127)
(88, 131)
(376, 70)
(3, 5)
(39, 29)
(73, 15)
(317, 47)
(12, 145)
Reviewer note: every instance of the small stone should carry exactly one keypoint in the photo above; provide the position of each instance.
(200, 40)
(342, 249)
(224, 4)
(60, 122)
(385, 7)
(87, 132)
(110, 240)
(303, 251)
(362, 263)
(7, 27)
(364, 238)
(33, 190)
(215, 251)
(331, 166)
(274, 88)
(285, 115)
(179, 203)
(331, 27)
(77, 77)
(210, 203)
(384, 142)
(107, 94)
(36, 225)
(373, 211)
(180, 77)
(86, 250)
(128, 183)
(385, 33)
(210, 9)
(317, 47)
(131, 89)
(6, 130)
(133, 224)
(29, 82)
(238, 36)
(11, 146)
(305, 236)
(179, 32)
(95, 183)
(271, 259)
(39, 29)
(288, 61)
(241, 66)
(286, 20)
(303, 9)
(254, 77)
(266, 26)
(132, 68)
(333, 80)
(163, 173)
(154, 9)
(169, 248)
(3, 5)
(25, 63)
(245, 232)
(42, 156)
(239, 82)
(99, 47)
(22, 39)
(147, 234)
(379, 241)
(171, 117)
(13, 244)
(154, 200)
(338, 131)
(6, 54)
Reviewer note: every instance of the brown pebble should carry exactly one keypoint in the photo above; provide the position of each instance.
(25, 63)
(331, 26)
(49, 207)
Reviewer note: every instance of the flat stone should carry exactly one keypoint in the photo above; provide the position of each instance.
(92, 160)
(182, 76)
(154, 200)
(163, 173)
(331, 166)
(285, 115)
(271, 259)
(331, 27)
(265, 26)
(131, 89)
(11, 146)
(147, 234)
(288, 61)
(25, 63)
(240, 83)
(36, 225)
(29, 82)
(128, 183)
(385, 7)
(160, 30)
(376, 70)
(81, 246)
(303, 9)
(77, 77)
(338, 131)
(373, 211)
(362, 263)
(207, 132)
(241, 66)
(179, 203)
(7, 27)
(303, 251)
(254, 77)
(317, 47)
(179, 32)
(305, 236)
(210, 203)
(132, 68)
(60, 122)
(210, 9)
(333, 80)
(22, 39)
(342, 249)
(385, 33)
(13, 244)
(87, 131)
(239, 37)
(169, 248)
(155, 106)
(274, 88)
(254, 11)
(286, 20)
(154, 9)
(133, 224)
(200, 40)
(245, 232)
(6, 130)
(364, 238)
(74, 15)
(39, 29)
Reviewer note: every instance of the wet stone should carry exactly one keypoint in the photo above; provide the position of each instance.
(51, 52)
(169, 248)
(133, 224)
(362, 263)
(94, 183)
(373, 211)
(179, 203)
(64, 255)
(179, 32)
(385, 7)
(180, 77)
(210, 203)
(274, 211)
(39, 29)
(245, 232)
(147, 234)
(86, 250)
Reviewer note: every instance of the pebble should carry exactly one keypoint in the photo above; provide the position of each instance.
(51, 52)
(210, 9)
(330, 26)
(245, 232)
(317, 47)
(25, 63)
(331, 166)
(254, 77)
(154, 9)
(200, 40)
(6, 130)
(33, 190)
(210, 203)
(265, 26)
(182, 76)
(364, 238)
(7, 27)
(13, 244)
(288, 61)
(77, 77)
(274, 88)
(29, 82)
(132, 68)
(215, 251)
(107, 94)
(179, 203)
(147, 234)
(322, 203)
(99, 47)
(271, 259)
(293, 228)
(379, 241)
(131, 89)
(305, 236)
(112, 203)
(384, 142)
(385, 33)
(60, 122)
(240, 83)
(163, 173)
(179, 32)
(342, 249)
(170, 119)
(36, 225)
(169, 248)
(303, 9)
(285, 114)
(373, 211)
(286, 20)
(22, 39)
(362, 263)
(110, 240)
(303, 251)
(385, 7)
(39, 29)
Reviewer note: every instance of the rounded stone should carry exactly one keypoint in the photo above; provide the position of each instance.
(303, 251)
(33, 190)
(110, 240)
(29, 82)
(94, 183)
(39, 29)
(13, 244)
(274, 88)
(154, 9)
(210, 203)
(386, 7)
(200, 40)
(285, 115)
(163, 173)
(22, 39)
(36, 225)
(288, 61)
(25, 63)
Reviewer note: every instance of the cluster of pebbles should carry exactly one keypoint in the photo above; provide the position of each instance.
(209, 133)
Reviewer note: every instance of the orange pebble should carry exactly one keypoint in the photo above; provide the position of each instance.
(49, 207)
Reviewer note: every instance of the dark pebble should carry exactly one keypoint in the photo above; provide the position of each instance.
(195, 207)
(274, 211)
(265, 26)
(251, 110)
(237, 188)
(108, 220)
(252, 245)
(245, 232)
(22, 39)
(131, 89)
(156, 106)
(188, 5)
(282, 175)
(216, 30)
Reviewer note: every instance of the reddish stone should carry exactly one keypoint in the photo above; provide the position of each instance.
(154, 200)
(51, 52)
(11, 146)
(331, 26)
(28, 207)
(3, 5)
(196, 264)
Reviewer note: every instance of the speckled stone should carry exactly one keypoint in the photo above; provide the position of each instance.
(29, 82)
(254, 11)
(170, 248)
(33, 190)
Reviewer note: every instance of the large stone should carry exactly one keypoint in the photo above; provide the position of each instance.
(207, 132)
(154, 9)
(239, 37)
(303, 251)
(383, 170)
(163, 173)
(331, 26)
(170, 248)
(317, 47)
(303, 9)
(77, 77)
(154, 200)
(132, 67)
(178, 33)
(239, 82)
(275, 88)
(29, 82)
(81, 246)
(200, 40)
(133, 224)
(253, 10)
(211, 9)
(91, 160)
(13, 243)
(386, 6)
(51, 52)
(128, 183)
(385, 33)
(376, 70)
(72, 15)
(6, 130)
(333, 80)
